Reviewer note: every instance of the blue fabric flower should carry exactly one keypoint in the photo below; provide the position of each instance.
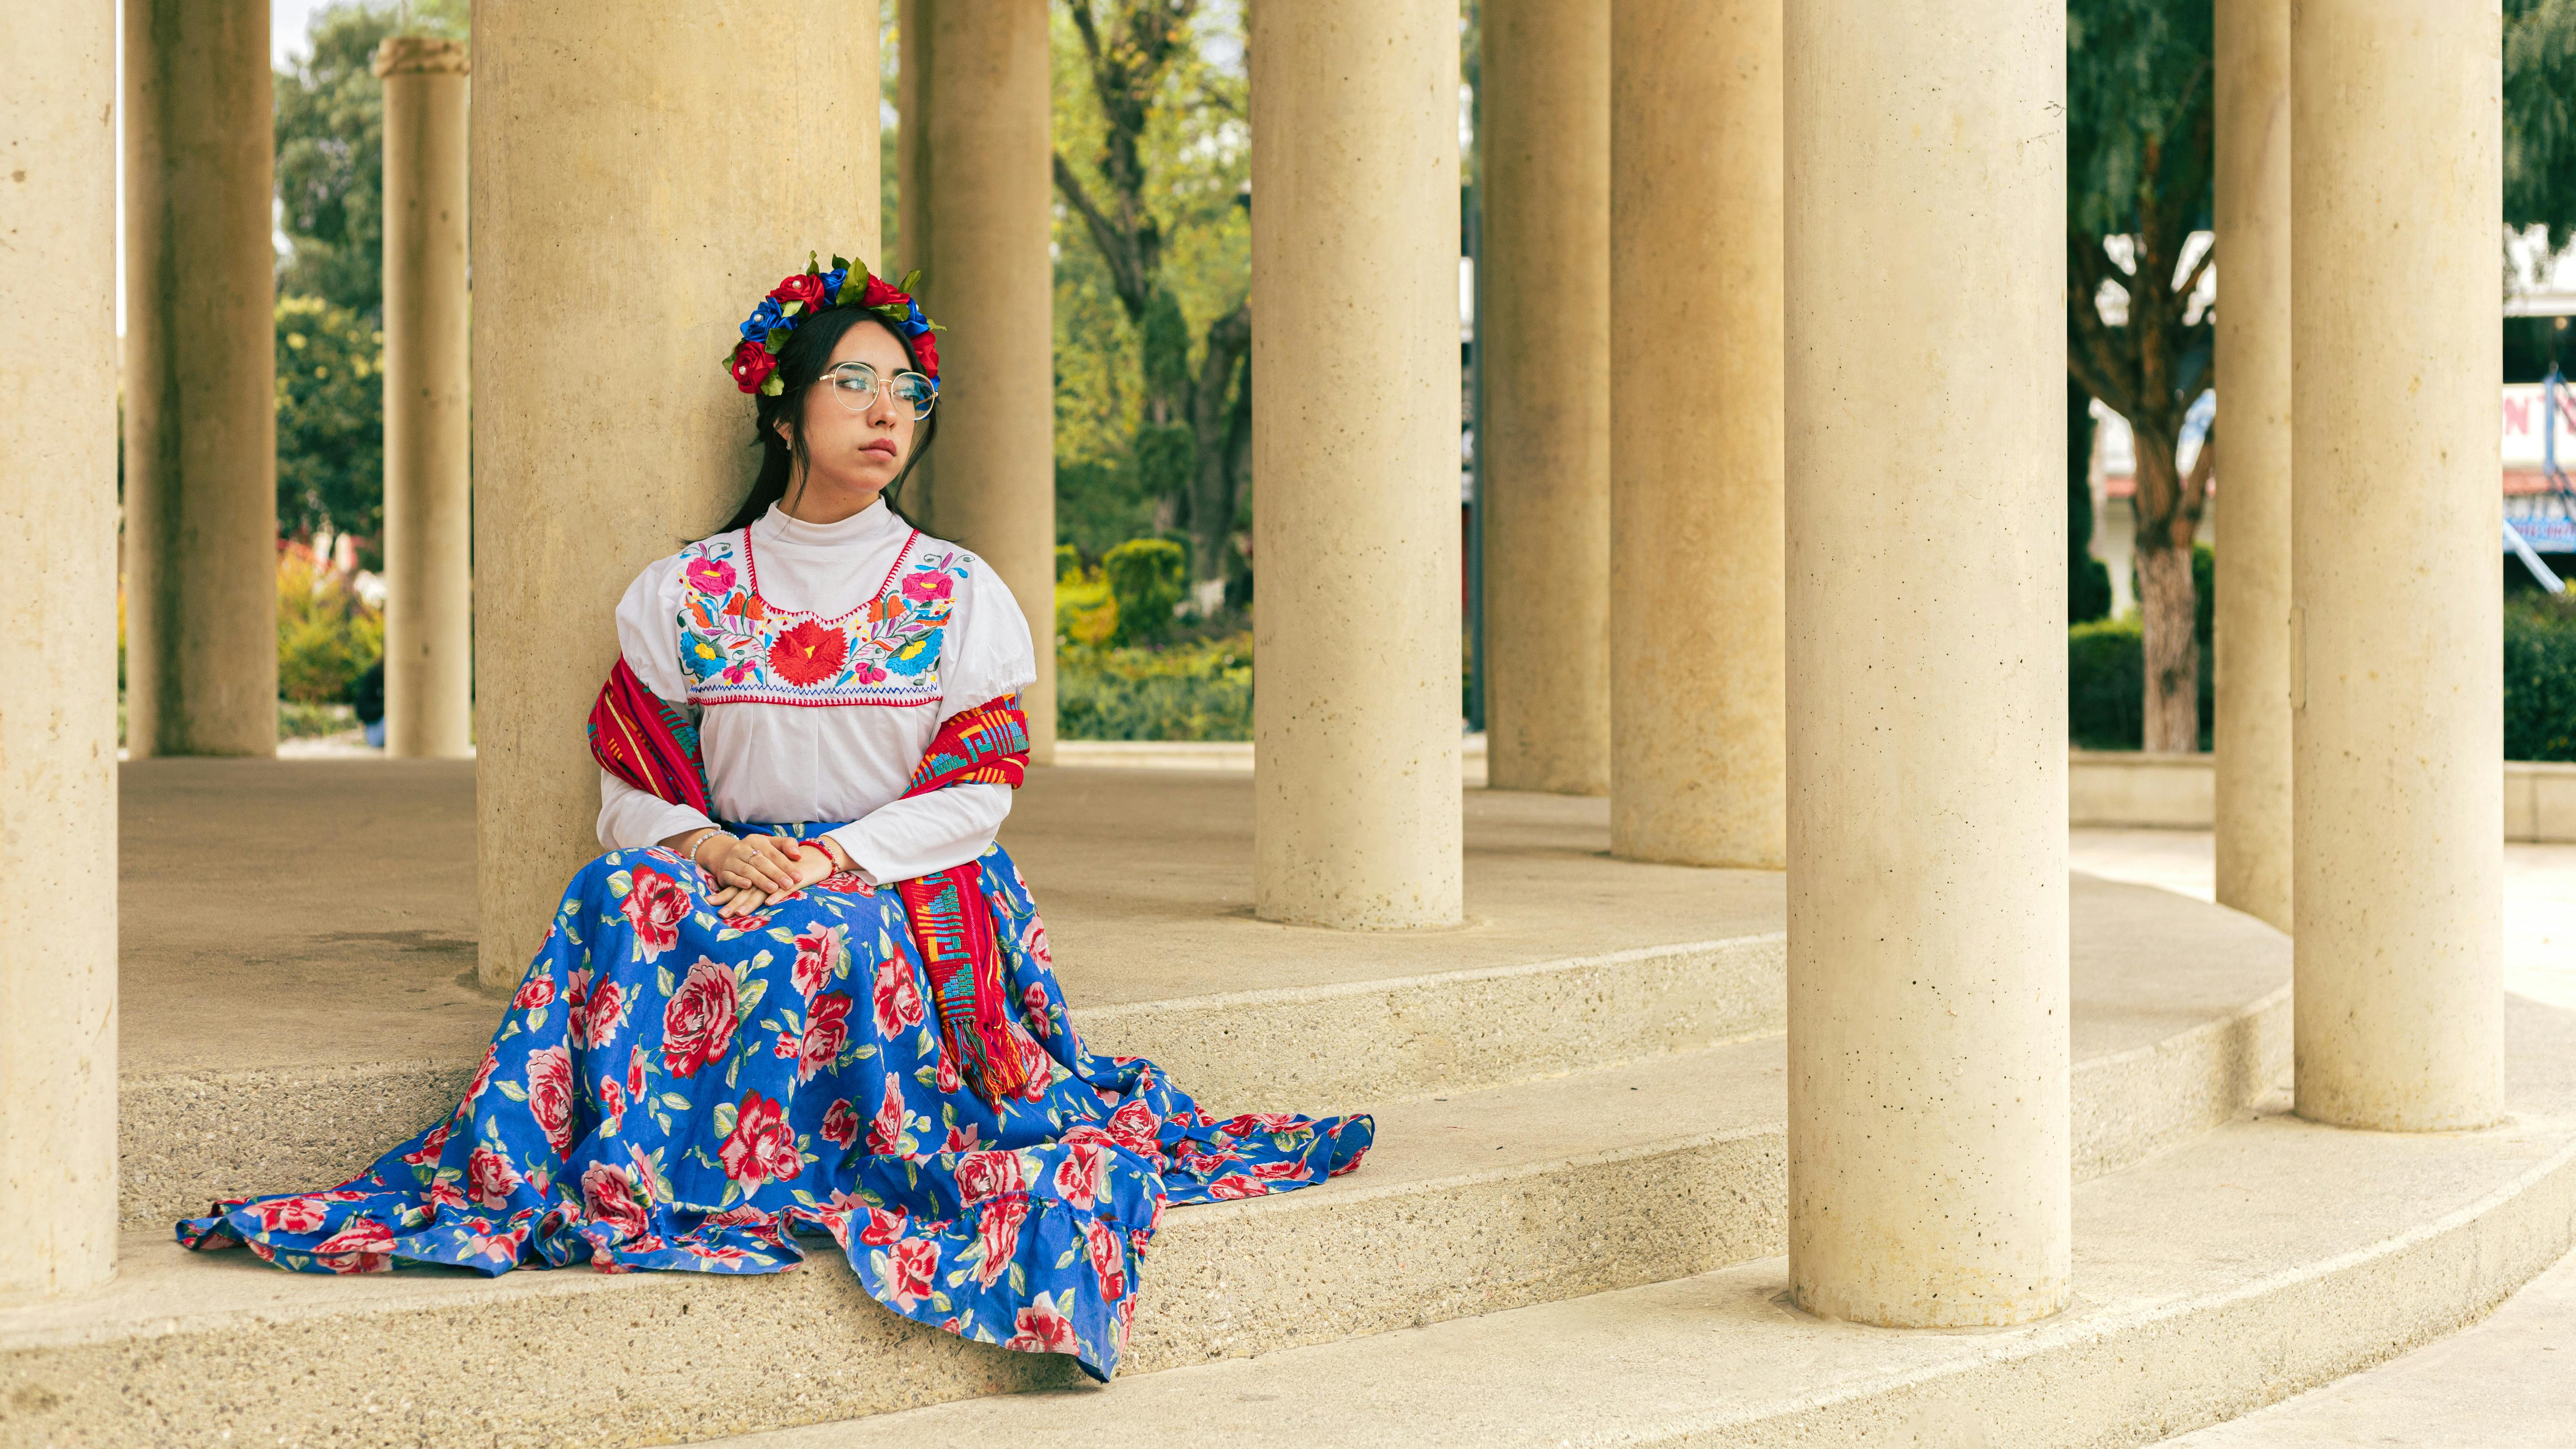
(763, 318)
(832, 284)
(914, 324)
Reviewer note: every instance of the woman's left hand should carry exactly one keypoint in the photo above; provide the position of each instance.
(801, 863)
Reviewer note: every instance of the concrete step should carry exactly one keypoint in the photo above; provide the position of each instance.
(2509, 1379)
(2162, 986)
(2266, 1257)
(1474, 1202)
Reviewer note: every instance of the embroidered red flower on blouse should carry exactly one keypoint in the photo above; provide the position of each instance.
(808, 654)
(840, 1124)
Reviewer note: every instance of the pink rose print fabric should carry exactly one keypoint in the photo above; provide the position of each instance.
(675, 1091)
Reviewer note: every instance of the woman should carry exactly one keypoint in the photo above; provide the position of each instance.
(740, 1029)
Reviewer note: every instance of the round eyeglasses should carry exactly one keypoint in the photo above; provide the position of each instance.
(857, 385)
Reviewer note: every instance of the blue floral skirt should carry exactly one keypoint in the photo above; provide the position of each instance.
(675, 1090)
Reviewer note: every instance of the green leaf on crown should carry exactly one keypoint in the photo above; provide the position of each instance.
(911, 283)
(773, 387)
(840, 263)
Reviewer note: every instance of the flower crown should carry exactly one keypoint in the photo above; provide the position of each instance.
(754, 360)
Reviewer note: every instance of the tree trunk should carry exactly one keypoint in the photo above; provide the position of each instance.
(2165, 603)
(1212, 481)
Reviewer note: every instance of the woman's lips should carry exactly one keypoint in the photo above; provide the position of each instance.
(881, 445)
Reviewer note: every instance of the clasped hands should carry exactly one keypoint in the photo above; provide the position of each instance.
(751, 871)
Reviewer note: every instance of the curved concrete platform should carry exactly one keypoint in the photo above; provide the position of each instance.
(1553, 1128)
(273, 1046)
(2269, 1256)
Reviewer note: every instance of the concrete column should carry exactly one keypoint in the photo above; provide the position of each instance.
(58, 649)
(200, 373)
(1544, 340)
(429, 538)
(1930, 1157)
(623, 225)
(2253, 495)
(2396, 680)
(1696, 746)
(911, 244)
(979, 223)
(1355, 452)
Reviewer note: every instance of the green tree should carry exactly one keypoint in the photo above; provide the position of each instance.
(330, 420)
(330, 150)
(2139, 119)
(1161, 204)
(2540, 116)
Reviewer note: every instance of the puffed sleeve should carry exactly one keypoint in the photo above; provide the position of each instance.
(987, 651)
(984, 654)
(648, 635)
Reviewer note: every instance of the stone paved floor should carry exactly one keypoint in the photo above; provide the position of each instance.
(2539, 900)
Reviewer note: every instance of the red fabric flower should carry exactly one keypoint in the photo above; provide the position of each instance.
(885, 1132)
(655, 905)
(881, 293)
(535, 991)
(1108, 1257)
(610, 1194)
(926, 347)
(361, 1246)
(883, 1227)
(762, 1147)
(1043, 1329)
(803, 287)
(840, 1124)
(816, 952)
(1235, 1186)
(1081, 1179)
(808, 654)
(1136, 1127)
(911, 1265)
(697, 1027)
(489, 1178)
(293, 1214)
(898, 1000)
(997, 1229)
(612, 1106)
(751, 365)
(550, 1095)
(982, 1175)
(827, 1030)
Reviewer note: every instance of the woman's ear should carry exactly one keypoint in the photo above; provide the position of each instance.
(786, 433)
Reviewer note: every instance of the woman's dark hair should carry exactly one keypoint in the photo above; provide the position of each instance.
(800, 362)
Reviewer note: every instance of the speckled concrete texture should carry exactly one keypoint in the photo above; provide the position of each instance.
(2503, 1381)
(285, 1029)
(2267, 1257)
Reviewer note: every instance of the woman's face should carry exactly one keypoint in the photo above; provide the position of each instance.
(855, 441)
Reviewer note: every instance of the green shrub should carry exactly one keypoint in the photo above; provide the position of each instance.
(1068, 562)
(2106, 684)
(1084, 612)
(326, 636)
(2540, 677)
(1146, 577)
(1200, 691)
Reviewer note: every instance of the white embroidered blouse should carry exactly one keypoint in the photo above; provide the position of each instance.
(818, 661)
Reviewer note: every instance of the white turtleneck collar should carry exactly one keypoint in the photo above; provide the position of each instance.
(871, 524)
